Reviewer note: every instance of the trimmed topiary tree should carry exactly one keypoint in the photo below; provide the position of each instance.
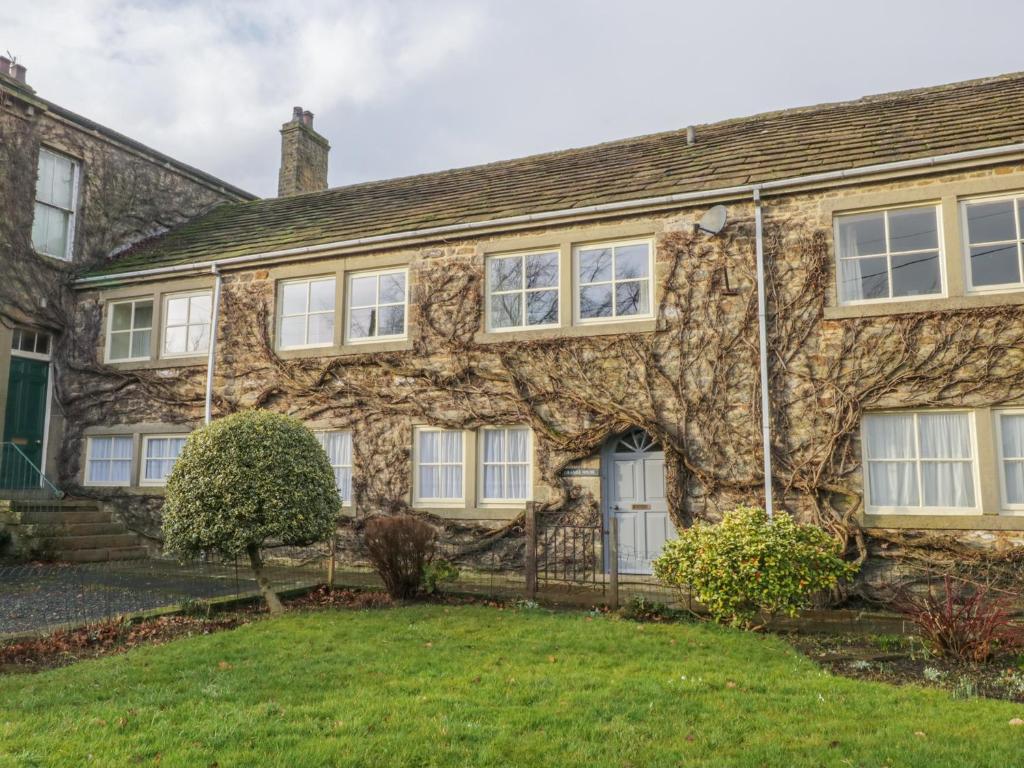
(748, 565)
(245, 480)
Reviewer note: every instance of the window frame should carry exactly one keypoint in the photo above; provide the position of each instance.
(522, 292)
(280, 316)
(439, 502)
(943, 292)
(1004, 504)
(143, 457)
(484, 501)
(970, 288)
(164, 301)
(576, 284)
(873, 509)
(345, 502)
(89, 441)
(377, 338)
(72, 213)
(131, 331)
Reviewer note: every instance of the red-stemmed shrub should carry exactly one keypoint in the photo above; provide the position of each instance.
(399, 548)
(962, 620)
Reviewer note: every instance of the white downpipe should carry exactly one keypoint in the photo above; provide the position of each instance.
(762, 326)
(212, 358)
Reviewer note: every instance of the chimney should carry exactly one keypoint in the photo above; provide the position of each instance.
(5, 66)
(303, 156)
(691, 135)
(18, 70)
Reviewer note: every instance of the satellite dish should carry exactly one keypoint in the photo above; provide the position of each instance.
(713, 221)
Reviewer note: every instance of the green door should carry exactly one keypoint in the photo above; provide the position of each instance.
(24, 421)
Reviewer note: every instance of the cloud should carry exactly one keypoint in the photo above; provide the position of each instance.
(210, 83)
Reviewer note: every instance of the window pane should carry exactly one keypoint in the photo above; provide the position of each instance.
(542, 270)
(321, 329)
(140, 343)
(518, 440)
(505, 310)
(392, 320)
(945, 435)
(889, 436)
(120, 471)
(542, 307)
(450, 446)
(861, 235)
(428, 447)
(506, 273)
(44, 179)
(493, 486)
(362, 323)
(916, 274)
(63, 181)
(100, 448)
(892, 484)
(120, 317)
(595, 265)
(120, 345)
(343, 480)
(913, 229)
(392, 288)
(948, 483)
(293, 331)
(99, 471)
(991, 222)
(293, 298)
(1012, 428)
(122, 448)
(198, 338)
(517, 481)
(596, 301)
(451, 482)
(321, 296)
(49, 231)
(494, 445)
(199, 309)
(1014, 474)
(994, 264)
(631, 262)
(631, 298)
(175, 340)
(863, 279)
(177, 311)
(364, 291)
(143, 314)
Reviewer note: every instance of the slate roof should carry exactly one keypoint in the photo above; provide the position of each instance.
(794, 142)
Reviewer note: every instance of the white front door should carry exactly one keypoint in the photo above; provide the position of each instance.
(635, 493)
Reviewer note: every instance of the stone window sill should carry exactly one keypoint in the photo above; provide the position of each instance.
(570, 331)
(164, 362)
(1002, 522)
(969, 301)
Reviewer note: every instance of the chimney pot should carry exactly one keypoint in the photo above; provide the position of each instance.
(307, 119)
(296, 114)
(303, 156)
(19, 72)
(5, 66)
(691, 135)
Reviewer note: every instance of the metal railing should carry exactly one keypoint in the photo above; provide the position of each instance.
(20, 478)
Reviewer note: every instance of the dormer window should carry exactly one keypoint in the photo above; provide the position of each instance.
(53, 225)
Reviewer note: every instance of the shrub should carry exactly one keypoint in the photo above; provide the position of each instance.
(245, 480)
(748, 565)
(961, 620)
(400, 548)
(438, 572)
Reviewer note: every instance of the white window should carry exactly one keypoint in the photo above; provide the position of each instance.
(504, 464)
(159, 452)
(613, 281)
(917, 462)
(53, 223)
(1010, 437)
(889, 254)
(187, 324)
(994, 250)
(31, 343)
(109, 460)
(438, 476)
(522, 290)
(338, 446)
(130, 329)
(307, 313)
(377, 305)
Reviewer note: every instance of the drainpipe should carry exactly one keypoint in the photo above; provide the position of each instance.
(762, 324)
(211, 359)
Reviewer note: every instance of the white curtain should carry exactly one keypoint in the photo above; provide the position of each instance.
(338, 447)
(946, 483)
(506, 463)
(494, 468)
(851, 287)
(890, 436)
(440, 460)
(161, 453)
(110, 460)
(1012, 428)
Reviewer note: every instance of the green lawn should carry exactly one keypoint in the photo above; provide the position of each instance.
(472, 686)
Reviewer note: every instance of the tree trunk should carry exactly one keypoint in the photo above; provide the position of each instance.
(273, 602)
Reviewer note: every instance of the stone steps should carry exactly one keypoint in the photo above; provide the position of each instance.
(101, 555)
(74, 531)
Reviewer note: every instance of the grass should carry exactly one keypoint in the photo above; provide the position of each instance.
(428, 685)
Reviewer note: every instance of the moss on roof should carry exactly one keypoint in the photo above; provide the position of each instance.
(876, 129)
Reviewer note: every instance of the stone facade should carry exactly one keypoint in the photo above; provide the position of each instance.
(689, 377)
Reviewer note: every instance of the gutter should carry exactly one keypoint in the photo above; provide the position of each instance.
(211, 359)
(762, 339)
(544, 216)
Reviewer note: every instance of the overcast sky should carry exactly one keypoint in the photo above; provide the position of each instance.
(406, 87)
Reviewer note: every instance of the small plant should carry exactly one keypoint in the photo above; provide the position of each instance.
(1013, 681)
(861, 665)
(748, 567)
(400, 549)
(933, 675)
(642, 609)
(961, 620)
(965, 688)
(438, 572)
(194, 607)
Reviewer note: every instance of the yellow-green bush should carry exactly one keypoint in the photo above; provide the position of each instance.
(748, 566)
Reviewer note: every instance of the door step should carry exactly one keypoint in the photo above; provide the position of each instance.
(70, 530)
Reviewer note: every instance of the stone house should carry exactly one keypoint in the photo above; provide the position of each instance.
(72, 193)
(582, 330)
